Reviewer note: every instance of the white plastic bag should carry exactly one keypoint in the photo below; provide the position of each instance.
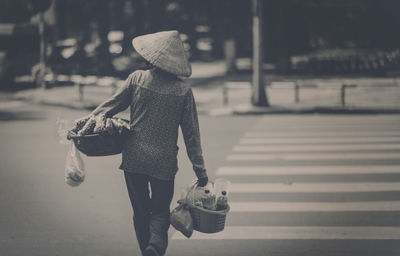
(74, 167)
(62, 126)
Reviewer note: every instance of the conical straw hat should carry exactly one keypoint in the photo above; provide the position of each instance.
(164, 50)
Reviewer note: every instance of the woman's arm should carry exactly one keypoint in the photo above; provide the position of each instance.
(118, 102)
(112, 106)
(191, 134)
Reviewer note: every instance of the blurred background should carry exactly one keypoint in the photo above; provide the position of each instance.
(318, 174)
(93, 37)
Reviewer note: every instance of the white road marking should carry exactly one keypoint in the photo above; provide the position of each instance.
(296, 233)
(313, 156)
(253, 142)
(327, 127)
(316, 147)
(314, 206)
(327, 123)
(306, 133)
(328, 187)
(305, 170)
(328, 119)
(318, 140)
(11, 104)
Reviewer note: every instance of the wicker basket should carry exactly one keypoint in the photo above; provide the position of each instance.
(101, 144)
(208, 221)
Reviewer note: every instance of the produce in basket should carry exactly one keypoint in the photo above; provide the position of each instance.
(100, 136)
(98, 124)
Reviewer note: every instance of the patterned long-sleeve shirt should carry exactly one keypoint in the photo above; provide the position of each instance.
(159, 104)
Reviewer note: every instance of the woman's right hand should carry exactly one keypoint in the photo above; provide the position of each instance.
(88, 125)
(79, 124)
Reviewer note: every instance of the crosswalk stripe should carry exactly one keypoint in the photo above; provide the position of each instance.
(312, 156)
(316, 147)
(314, 206)
(318, 140)
(290, 140)
(327, 123)
(348, 118)
(321, 119)
(327, 127)
(296, 233)
(305, 170)
(296, 134)
(327, 187)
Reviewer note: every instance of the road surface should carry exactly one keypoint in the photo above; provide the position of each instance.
(301, 185)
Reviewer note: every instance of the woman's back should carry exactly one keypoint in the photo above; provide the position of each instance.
(157, 105)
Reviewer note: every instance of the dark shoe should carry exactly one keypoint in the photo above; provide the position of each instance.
(150, 251)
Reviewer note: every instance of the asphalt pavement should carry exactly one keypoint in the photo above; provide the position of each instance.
(42, 215)
(306, 184)
(309, 185)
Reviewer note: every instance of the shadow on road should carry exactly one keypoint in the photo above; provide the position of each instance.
(21, 115)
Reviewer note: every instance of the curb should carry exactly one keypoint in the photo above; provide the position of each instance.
(69, 105)
(235, 110)
(76, 106)
(251, 110)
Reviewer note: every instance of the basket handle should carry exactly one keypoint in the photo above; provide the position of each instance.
(72, 135)
(192, 187)
(185, 200)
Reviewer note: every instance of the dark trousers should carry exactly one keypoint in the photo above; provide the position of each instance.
(151, 211)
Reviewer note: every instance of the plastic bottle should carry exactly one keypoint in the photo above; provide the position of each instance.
(208, 200)
(221, 190)
(222, 201)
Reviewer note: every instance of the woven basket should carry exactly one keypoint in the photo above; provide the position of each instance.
(100, 144)
(208, 221)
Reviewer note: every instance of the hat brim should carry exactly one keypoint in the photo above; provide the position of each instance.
(170, 58)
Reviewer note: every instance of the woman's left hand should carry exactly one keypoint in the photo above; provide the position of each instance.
(202, 181)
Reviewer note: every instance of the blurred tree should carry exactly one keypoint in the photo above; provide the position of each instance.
(101, 17)
(283, 60)
(226, 27)
(15, 11)
(38, 6)
(230, 23)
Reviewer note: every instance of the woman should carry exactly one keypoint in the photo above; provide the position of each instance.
(160, 102)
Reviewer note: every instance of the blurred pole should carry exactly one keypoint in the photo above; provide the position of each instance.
(296, 93)
(343, 95)
(42, 70)
(230, 55)
(259, 97)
